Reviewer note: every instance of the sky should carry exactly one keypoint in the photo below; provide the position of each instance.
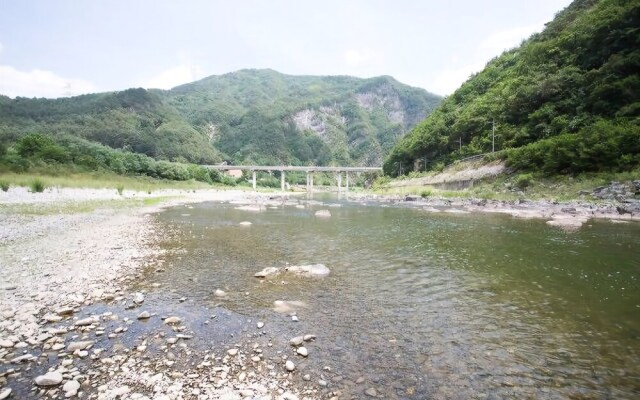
(64, 48)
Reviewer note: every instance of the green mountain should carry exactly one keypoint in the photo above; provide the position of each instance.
(249, 116)
(566, 101)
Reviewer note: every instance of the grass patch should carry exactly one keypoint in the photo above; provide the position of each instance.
(4, 185)
(37, 185)
(100, 180)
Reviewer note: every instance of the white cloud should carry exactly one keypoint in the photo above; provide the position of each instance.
(451, 79)
(492, 46)
(497, 42)
(40, 83)
(174, 76)
(356, 58)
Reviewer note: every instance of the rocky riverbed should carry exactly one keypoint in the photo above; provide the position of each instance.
(71, 326)
(616, 202)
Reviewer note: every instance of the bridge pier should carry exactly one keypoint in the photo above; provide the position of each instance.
(339, 182)
(253, 179)
(347, 187)
(282, 183)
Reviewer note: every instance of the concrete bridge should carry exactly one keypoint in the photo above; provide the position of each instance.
(309, 170)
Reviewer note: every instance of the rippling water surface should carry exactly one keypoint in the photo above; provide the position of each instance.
(423, 305)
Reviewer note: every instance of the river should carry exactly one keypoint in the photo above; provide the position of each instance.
(420, 304)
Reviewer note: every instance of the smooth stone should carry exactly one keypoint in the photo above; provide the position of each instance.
(86, 321)
(307, 377)
(6, 343)
(219, 293)
(302, 351)
(308, 338)
(371, 392)
(57, 346)
(73, 346)
(49, 379)
(144, 315)
(323, 213)
(294, 318)
(5, 393)
(52, 318)
(269, 271)
(296, 341)
(260, 325)
(71, 386)
(289, 365)
(138, 298)
(25, 357)
(64, 311)
(232, 352)
(172, 320)
(313, 270)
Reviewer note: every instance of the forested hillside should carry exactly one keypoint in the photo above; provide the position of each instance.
(250, 116)
(566, 101)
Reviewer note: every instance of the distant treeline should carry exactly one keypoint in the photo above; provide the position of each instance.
(38, 150)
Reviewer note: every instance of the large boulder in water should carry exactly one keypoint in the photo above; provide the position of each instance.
(314, 270)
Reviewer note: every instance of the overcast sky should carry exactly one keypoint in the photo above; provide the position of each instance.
(61, 48)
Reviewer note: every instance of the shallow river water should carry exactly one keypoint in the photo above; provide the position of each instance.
(425, 305)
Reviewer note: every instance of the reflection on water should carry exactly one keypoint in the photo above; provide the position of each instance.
(427, 305)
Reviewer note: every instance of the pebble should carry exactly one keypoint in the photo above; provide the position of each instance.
(49, 379)
(144, 315)
(6, 343)
(296, 341)
(71, 388)
(302, 351)
(73, 346)
(5, 393)
(260, 325)
(308, 338)
(172, 320)
(64, 311)
(371, 392)
(294, 318)
(85, 321)
(307, 377)
(138, 298)
(289, 365)
(219, 293)
(232, 352)
(25, 357)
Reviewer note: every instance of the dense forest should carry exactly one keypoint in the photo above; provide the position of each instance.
(566, 101)
(249, 116)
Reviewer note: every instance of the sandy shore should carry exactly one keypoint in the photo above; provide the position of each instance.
(55, 266)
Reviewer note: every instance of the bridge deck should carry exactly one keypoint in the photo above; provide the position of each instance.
(293, 168)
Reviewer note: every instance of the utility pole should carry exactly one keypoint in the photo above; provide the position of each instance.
(493, 137)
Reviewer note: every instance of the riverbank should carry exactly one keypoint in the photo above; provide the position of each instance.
(69, 258)
(569, 215)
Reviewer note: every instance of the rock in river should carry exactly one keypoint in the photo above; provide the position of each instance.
(71, 388)
(86, 321)
(73, 346)
(323, 213)
(172, 320)
(315, 270)
(269, 271)
(144, 315)
(49, 379)
(5, 393)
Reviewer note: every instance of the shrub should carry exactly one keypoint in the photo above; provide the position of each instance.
(4, 185)
(523, 181)
(426, 193)
(37, 186)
